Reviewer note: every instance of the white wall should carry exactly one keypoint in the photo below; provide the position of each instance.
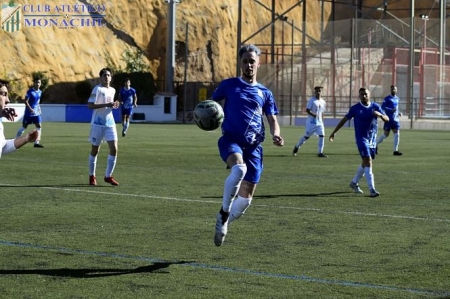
(57, 112)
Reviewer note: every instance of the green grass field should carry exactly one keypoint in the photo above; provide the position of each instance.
(306, 234)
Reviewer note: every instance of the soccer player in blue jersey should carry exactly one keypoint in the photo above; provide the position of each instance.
(128, 100)
(33, 111)
(390, 106)
(245, 101)
(11, 145)
(314, 123)
(365, 115)
(103, 126)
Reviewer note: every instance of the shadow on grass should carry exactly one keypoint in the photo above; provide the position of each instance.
(93, 273)
(291, 195)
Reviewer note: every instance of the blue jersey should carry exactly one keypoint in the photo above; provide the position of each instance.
(390, 106)
(244, 107)
(127, 97)
(34, 98)
(365, 122)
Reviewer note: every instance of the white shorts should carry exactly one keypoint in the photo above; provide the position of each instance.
(313, 129)
(100, 133)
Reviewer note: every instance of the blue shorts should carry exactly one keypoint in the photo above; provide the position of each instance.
(29, 119)
(127, 111)
(252, 154)
(365, 150)
(391, 125)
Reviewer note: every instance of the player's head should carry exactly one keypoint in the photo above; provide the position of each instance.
(3, 94)
(393, 90)
(105, 76)
(318, 91)
(364, 96)
(127, 83)
(249, 59)
(37, 83)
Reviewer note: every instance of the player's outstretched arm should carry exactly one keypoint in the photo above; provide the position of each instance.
(30, 137)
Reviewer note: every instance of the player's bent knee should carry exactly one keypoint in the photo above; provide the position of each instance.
(239, 170)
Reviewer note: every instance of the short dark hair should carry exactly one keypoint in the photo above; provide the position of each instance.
(4, 83)
(249, 48)
(105, 69)
(126, 79)
(318, 88)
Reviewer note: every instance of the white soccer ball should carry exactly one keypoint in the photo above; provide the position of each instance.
(208, 115)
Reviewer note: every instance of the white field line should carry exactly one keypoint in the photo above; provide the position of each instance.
(256, 205)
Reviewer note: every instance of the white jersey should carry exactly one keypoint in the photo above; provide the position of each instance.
(317, 107)
(2, 139)
(102, 116)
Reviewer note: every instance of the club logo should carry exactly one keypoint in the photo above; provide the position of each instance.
(11, 17)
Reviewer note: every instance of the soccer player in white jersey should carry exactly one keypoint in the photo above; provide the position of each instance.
(365, 115)
(390, 105)
(103, 126)
(314, 122)
(245, 101)
(11, 145)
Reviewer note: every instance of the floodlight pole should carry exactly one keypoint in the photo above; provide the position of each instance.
(170, 46)
(411, 64)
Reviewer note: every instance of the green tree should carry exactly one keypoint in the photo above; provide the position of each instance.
(133, 59)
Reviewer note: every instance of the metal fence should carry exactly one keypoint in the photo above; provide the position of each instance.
(351, 54)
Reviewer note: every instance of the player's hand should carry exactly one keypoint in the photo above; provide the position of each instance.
(33, 136)
(331, 138)
(278, 140)
(376, 113)
(116, 105)
(9, 113)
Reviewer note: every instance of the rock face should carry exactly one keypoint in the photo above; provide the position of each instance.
(69, 55)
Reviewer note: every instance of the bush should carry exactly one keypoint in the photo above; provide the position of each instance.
(83, 89)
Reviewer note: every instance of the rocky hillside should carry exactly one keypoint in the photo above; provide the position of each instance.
(72, 54)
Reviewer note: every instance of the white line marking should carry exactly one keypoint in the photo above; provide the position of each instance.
(257, 205)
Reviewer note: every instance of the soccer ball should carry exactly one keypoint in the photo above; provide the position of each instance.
(208, 115)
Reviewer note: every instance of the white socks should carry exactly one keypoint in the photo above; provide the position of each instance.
(359, 174)
(321, 144)
(301, 141)
(370, 178)
(92, 164)
(110, 165)
(396, 141)
(39, 134)
(238, 208)
(380, 139)
(125, 125)
(232, 184)
(19, 133)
